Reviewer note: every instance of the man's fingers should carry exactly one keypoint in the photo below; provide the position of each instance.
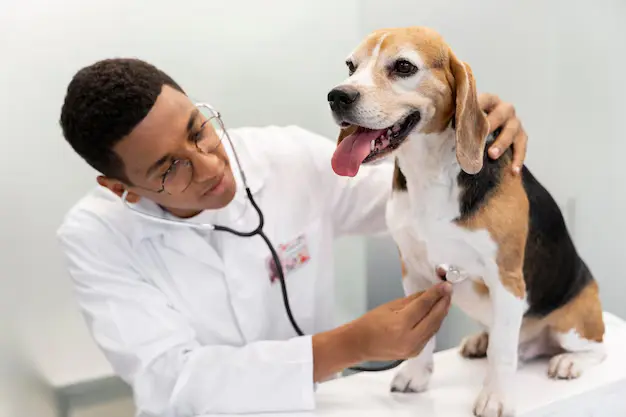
(488, 102)
(504, 139)
(512, 134)
(431, 323)
(500, 114)
(520, 144)
(403, 301)
(419, 308)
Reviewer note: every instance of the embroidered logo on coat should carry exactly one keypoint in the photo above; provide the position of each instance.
(292, 256)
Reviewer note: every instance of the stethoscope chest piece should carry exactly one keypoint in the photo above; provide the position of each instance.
(451, 273)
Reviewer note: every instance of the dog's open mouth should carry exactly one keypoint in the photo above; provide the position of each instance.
(367, 145)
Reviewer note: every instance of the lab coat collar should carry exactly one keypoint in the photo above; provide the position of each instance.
(256, 170)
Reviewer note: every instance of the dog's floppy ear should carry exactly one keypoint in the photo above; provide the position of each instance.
(345, 132)
(471, 123)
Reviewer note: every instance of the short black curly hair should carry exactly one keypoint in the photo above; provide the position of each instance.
(104, 102)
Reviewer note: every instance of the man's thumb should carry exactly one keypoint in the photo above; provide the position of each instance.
(423, 302)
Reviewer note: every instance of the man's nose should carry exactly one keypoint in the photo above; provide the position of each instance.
(342, 98)
(206, 167)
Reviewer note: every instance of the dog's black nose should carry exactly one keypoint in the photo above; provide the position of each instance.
(342, 98)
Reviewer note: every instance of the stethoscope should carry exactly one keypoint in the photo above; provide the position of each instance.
(258, 231)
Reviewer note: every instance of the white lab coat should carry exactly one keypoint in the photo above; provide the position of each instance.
(191, 319)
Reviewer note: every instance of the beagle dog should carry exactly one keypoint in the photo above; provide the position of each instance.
(455, 213)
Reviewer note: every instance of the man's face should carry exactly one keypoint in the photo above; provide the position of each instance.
(169, 132)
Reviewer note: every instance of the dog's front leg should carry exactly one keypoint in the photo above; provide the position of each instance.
(414, 375)
(508, 304)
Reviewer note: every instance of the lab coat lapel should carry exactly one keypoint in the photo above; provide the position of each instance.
(185, 242)
(256, 298)
(191, 244)
(244, 262)
(244, 257)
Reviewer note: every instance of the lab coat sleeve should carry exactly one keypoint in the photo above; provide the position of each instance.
(154, 348)
(357, 204)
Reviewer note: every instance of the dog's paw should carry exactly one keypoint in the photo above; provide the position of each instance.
(566, 366)
(412, 377)
(475, 346)
(492, 403)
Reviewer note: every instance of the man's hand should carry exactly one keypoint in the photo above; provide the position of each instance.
(398, 329)
(502, 114)
(401, 328)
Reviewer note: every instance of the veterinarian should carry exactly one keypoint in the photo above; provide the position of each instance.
(193, 318)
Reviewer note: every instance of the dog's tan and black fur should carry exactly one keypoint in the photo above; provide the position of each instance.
(454, 205)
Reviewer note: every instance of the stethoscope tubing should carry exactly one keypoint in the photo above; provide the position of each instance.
(257, 231)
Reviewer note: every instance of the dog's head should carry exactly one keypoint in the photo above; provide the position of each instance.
(404, 81)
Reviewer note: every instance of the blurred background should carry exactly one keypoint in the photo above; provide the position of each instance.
(272, 62)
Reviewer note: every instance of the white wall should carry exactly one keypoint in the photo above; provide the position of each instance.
(562, 66)
(22, 391)
(258, 62)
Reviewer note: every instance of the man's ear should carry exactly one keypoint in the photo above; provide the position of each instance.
(471, 123)
(118, 188)
(345, 132)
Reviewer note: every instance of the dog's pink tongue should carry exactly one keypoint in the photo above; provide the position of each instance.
(352, 151)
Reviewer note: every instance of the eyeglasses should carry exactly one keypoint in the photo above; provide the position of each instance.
(207, 138)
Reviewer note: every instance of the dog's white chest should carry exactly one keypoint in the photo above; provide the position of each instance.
(426, 237)
(421, 221)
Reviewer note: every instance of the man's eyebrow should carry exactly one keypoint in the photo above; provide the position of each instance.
(163, 159)
(158, 164)
(192, 119)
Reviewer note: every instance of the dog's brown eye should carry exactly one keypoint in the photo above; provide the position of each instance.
(404, 68)
(351, 67)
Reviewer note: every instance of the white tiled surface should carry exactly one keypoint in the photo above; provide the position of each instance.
(601, 391)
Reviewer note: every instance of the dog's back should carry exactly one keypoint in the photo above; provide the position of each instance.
(554, 272)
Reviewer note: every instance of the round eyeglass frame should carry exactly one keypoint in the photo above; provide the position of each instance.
(214, 115)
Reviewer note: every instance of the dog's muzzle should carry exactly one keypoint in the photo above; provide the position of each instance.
(342, 99)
